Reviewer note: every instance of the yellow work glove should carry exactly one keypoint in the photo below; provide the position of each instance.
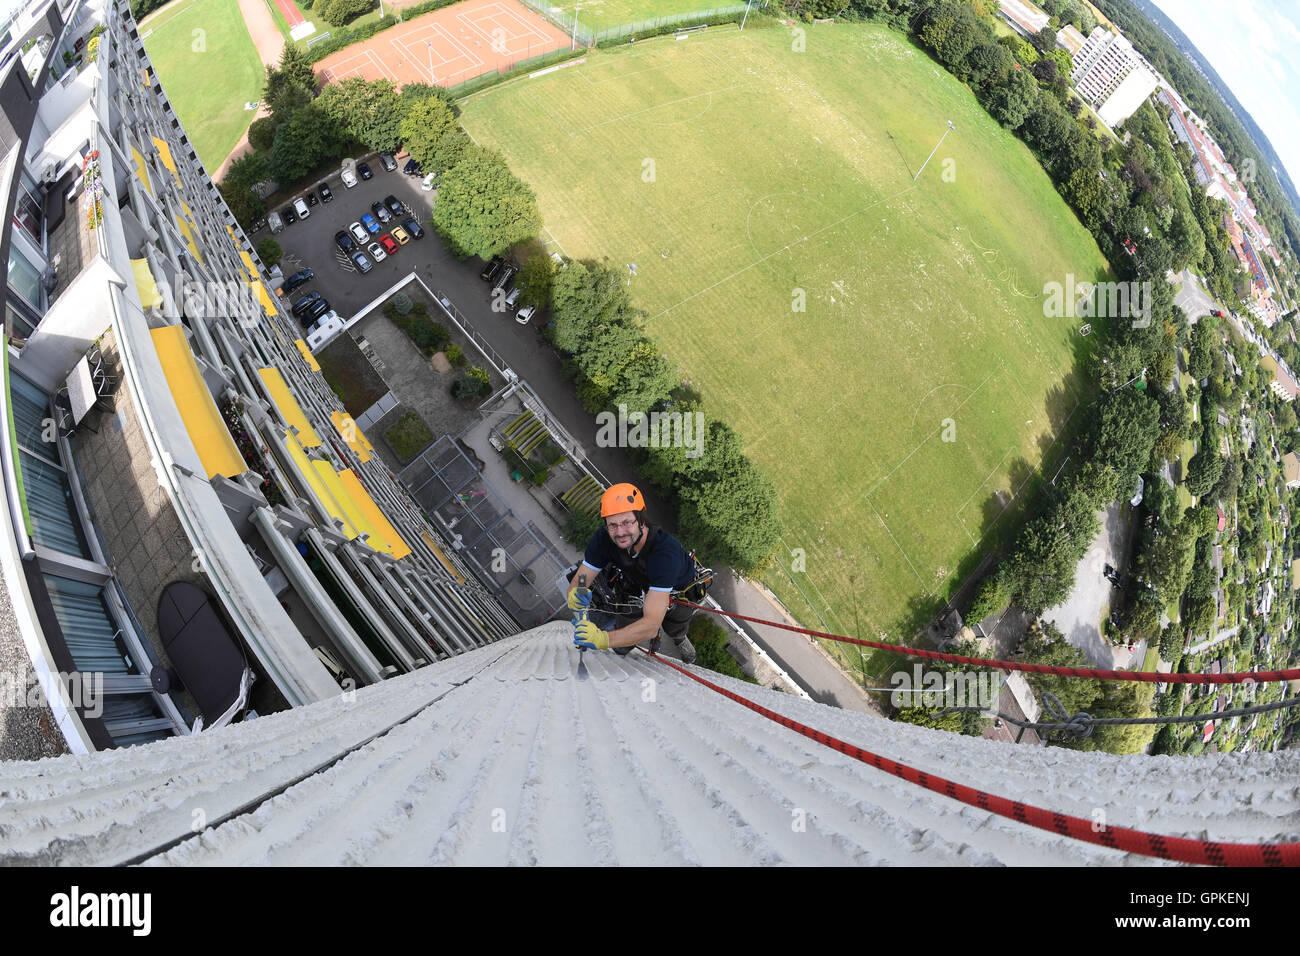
(586, 634)
(579, 599)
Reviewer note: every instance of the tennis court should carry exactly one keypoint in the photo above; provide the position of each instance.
(448, 46)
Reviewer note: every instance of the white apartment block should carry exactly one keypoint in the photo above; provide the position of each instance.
(1112, 76)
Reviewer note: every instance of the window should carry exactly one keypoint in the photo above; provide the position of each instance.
(25, 278)
(17, 321)
(28, 212)
(55, 523)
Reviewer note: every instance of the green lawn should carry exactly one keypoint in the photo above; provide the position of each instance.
(208, 75)
(741, 177)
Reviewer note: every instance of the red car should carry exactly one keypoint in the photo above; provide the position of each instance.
(389, 244)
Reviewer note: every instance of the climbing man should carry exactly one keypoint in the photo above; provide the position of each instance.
(629, 559)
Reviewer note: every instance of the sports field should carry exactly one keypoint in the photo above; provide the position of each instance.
(448, 46)
(921, 387)
(209, 68)
(604, 14)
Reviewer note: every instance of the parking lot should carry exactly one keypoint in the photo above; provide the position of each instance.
(309, 243)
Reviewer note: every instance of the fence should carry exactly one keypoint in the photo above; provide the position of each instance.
(518, 67)
(591, 35)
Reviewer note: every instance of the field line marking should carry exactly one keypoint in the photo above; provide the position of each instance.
(901, 549)
(657, 106)
(776, 252)
(981, 485)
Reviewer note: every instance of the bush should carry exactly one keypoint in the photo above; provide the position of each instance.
(269, 251)
(455, 355)
(408, 437)
(338, 12)
(402, 303)
(261, 134)
(579, 527)
(541, 476)
(467, 387)
(710, 642)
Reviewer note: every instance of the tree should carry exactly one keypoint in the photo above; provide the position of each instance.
(302, 142)
(482, 207)
(269, 251)
(534, 280)
(1125, 433)
(338, 12)
(1044, 40)
(365, 110)
(1225, 489)
(261, 133)
(414, 92)
(426, 121)
(294, 67)
(448, 151)
(244, 204)
(1206, 466)
(248, 170)
(1013, 101)
(988, 64)
(1042, 569)
(993, 595)
(1044, 644)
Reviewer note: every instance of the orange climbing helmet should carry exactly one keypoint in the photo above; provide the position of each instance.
(620, 498)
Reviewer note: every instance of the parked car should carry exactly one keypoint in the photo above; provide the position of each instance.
(300, 207)
(525, 315)
(376, 252)
(326, 194)
(361, 262)
(412, 168)
(372, 226)
(414, 228)
(381, 212)
(492, 268)
(389, 244)
(401, 235)
(427, 182)
(299, 278)
(311, 198)
(389, 161)
(290, 217)
(302, 305)
(349, 177)
(359, 233)
(505, 276)
(363, 170)
(344, 242)
(320, 307)
(395, 205)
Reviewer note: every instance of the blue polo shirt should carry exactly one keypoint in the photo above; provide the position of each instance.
(670, 567)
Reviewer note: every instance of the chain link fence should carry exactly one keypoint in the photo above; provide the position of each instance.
(588, 35)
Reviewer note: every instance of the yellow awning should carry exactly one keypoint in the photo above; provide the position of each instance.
(268, 303)
(189, 237)
(141, 169)
(248, 263)
(207, 430)
(392, 541)
(316, 485)
(289, 407)
(150, 297)
(189, 213)
(354, 436)
(145, 74)
(428, 539)
(308, 357)
(356, 512)
(352, 515)
(165, 154)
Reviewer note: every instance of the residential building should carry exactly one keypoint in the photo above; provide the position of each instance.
(166, 425)
(1112, 76)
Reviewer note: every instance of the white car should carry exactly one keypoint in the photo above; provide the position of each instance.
(427, 183)
(376, 252)
(300, 207)
(524, 315)
(359, 233)
(349, 177)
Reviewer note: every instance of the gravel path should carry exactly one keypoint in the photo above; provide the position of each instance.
(269, 42)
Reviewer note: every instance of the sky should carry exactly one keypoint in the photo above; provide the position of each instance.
(1252, 44)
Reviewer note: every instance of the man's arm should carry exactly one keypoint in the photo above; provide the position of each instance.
(647, 625)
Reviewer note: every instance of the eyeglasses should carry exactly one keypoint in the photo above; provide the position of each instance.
(627, 525)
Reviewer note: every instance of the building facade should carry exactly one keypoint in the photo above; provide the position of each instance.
(1112, 76)
(166, 425)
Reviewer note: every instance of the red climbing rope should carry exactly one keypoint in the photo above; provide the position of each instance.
(1180, 849)
(1149, 677)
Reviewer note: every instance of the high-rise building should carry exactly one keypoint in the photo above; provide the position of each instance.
(195, 525)
(1112, 76)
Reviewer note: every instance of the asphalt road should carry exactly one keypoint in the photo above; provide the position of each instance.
(523, 348)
